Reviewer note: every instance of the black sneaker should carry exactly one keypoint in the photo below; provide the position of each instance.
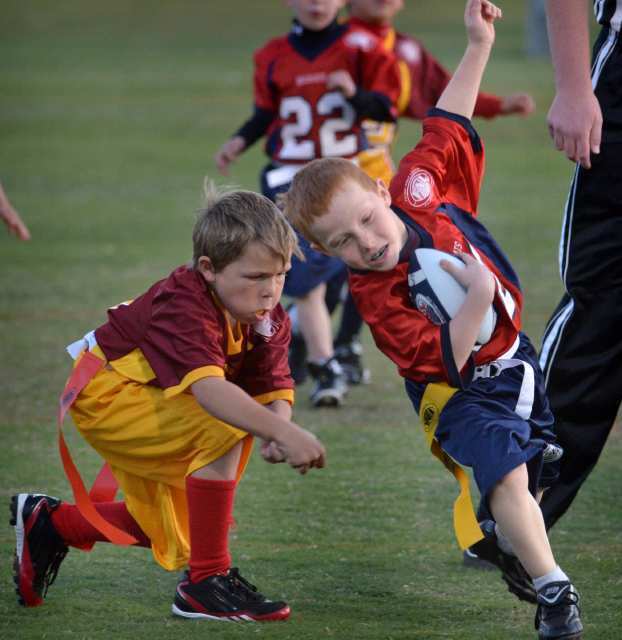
(39, 550)
(298, 359)
(512, 571)
(350, 358)
(226, 597)
(558, 615)
(330, 384)
(473, 561)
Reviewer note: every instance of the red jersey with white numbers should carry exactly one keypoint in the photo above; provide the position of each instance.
(311, 120)
(435, 192)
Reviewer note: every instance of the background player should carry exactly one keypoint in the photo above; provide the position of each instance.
(496, 418)
(423, 80)
(185, 376)
(313, 87)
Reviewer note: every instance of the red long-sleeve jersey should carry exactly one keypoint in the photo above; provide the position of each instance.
(310, 120)
(435, 192)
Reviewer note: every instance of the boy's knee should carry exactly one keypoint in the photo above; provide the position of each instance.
(515, 480)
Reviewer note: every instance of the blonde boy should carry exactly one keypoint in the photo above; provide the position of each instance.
(185, 375)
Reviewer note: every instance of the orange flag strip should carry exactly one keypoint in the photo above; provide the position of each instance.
(85, 370)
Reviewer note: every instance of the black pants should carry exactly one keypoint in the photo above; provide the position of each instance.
(581, 352)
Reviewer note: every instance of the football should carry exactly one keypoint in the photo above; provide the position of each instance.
(437, 294)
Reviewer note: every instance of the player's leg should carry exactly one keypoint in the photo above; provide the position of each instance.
(306, 284)
(348, 348)
(211, 588)
(520, 520)
(45, 528)
(581, 350)
(316, 329)
(298, 348)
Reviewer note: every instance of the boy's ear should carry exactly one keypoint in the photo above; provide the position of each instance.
(206, 269)
(383, 191)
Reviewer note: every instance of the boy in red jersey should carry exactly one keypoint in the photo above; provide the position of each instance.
(313, 88)
(423, 79)
(185, 375)
(483, 404)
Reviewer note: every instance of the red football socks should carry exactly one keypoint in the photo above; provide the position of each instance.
(76, 531)
(210, 509)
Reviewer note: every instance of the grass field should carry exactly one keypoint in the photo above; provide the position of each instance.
(110, 114)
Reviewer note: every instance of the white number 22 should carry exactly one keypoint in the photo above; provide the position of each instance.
(330, 145)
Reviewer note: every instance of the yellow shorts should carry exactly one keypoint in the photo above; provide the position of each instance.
(152, 444)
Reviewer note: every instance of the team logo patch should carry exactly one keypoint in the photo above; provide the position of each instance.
(418, 188)
(429, 309)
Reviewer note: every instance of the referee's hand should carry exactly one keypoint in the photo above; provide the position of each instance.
(575, 124)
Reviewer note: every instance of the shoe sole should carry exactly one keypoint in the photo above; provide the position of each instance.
(281, 614)
(328, 398)
(25, 594)
(473, 561)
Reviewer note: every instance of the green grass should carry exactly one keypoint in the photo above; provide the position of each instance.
(109, 117)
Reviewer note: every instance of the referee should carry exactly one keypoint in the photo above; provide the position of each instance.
(582, 345)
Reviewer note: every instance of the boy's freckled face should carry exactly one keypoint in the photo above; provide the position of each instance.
(250, 286)
(376, 11)
(315, 14)
(361, 228)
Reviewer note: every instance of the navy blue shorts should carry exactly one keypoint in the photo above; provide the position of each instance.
(500, 421)
(304, 276)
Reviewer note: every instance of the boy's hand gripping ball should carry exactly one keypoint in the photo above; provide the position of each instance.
(437, 294)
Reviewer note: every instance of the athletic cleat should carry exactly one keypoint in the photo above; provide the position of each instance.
(330, 385)
(227, 597)
(512, 571)
(298, 359)
(558, 615)
(350, 358)
(473, 561)
(39, 550)
(552, 453)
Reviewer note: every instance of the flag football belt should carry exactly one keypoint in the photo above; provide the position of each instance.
(466, 527)
(105, 487)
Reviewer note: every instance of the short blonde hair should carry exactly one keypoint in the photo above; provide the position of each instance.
(231, 219)
(313, 189)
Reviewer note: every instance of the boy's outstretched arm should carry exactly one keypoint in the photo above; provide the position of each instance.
(460, 94)
(227, 402)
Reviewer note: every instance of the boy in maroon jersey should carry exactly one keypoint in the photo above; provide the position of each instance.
(174, 387)
(312, 89)
(482, 404)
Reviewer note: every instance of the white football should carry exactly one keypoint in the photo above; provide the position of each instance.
(437, 294)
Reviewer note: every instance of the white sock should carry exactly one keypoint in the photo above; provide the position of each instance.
(557, 575)
(503, 543)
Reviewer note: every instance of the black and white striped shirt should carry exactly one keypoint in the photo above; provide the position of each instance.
(609, 13)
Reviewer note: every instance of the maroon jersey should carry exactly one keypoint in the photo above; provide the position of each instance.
(176, 333)
(428, 78)
(312, 121)
(435, 192)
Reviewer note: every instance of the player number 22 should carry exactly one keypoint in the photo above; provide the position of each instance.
(330, 145)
